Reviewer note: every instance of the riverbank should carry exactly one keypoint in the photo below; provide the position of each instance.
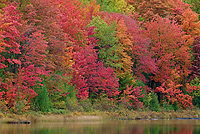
(77, 116)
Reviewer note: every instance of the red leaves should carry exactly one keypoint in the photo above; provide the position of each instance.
(20, 88)
(190, 88)
(172, 57)
(8, 33)
(138, 50)
(104, 79)
(22, 60)
(172, 93)
(91, 76)
(131, 96)
(35, 48)
(17, 61)
(165, 46)
(54, 36)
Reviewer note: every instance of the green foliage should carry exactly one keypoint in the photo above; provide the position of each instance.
(196, 82)
(107, 43)
(2, 74)
(103, 103)
(59, 111)
(146, 100)
(117, 6)
(71, 101)
(60, 90)
(128, 79)
(147, 96)
(167, 107)
(139, 83)
(2, 4)
(108, 6)
(41, 102)
(195, 5)
(64, 33)
(196, 93)
(175, 105)
(59, 104)
(73, 105)
(141, 19)
(124, 80)
(87, 105)
(23, 4)
(196, 101)
(154, 103)
(85, 2)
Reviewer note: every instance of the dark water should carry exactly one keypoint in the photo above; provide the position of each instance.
(106, 127)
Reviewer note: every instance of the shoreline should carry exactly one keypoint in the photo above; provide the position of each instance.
(134, 115)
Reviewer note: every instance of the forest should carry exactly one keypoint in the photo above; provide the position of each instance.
(61, 56)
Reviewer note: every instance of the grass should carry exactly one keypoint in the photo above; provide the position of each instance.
(97, 110)
(123, 114)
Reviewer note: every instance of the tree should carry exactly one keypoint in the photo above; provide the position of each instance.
(131, 97)
(117, 6)
(23, 60)
(140, 55)
(107, 43)
(172, 57)
(195, 5)
(90, 75)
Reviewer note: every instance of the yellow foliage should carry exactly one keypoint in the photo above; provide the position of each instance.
(1, 115)
(68, 58)
(3, 3)
(91, 9)
(123, 6)
(126, 45)
(95, 7)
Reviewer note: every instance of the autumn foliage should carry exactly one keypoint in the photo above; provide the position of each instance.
(97, 48)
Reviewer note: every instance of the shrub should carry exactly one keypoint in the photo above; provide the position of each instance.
(41, 102)
(154, 103)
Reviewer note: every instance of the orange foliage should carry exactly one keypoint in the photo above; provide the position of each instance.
(191, 25)
(91, 9)
(126, 45)
(176, 9)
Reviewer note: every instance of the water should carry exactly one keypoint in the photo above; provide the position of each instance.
(106, 127)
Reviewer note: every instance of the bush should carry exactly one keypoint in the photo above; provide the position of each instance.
(72, 105)
(195, 84)
(154, 103)
(41, 102)
(103, 103)
(59, 111)
(87, 105)
(169, 107)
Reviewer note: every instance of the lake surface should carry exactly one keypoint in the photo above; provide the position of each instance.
(106, 127)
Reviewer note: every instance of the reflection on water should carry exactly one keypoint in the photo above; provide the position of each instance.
(106, 127)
